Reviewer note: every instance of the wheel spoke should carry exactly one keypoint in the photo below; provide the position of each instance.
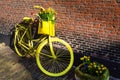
(60, 67)
(64, 60)
(46, 63)
(46, 55)
(55, 66)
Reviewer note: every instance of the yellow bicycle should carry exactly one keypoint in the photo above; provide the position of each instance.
(54, 56)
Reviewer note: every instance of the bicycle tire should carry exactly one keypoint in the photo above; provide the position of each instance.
(55, 67)
(21, 51)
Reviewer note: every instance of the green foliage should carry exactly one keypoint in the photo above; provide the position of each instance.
(92, 68)
(48, 15)
(89, 70)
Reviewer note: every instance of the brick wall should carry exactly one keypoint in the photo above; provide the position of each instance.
(90, 26)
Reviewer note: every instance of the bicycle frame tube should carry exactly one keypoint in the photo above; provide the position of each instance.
(51, 48)
(21, 43)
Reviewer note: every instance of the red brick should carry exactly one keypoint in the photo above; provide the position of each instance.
(84, 17)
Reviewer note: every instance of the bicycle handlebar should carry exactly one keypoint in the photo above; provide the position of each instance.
(49, 10)
(39, 7)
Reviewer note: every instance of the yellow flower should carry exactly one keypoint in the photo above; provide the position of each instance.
(94, 66)
(88, 59)
(82, 58)
(50, 10)
(96, 71)
(99, 68)
(100, 71)
(85, 57)
(89, 66)
(104, 68)
(102, 65)
(94, 63)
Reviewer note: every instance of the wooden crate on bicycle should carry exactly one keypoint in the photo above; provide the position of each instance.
(46, 27)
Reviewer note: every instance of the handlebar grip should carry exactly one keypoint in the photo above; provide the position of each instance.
(39, 7)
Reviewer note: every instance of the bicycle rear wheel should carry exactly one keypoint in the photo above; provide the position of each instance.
(20, 50)
(55, 67)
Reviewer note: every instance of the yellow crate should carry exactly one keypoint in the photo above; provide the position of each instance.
(46, 27)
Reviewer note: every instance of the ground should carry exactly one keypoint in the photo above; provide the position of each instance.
(13, 67)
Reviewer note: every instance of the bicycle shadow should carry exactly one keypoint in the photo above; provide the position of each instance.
(31, 66)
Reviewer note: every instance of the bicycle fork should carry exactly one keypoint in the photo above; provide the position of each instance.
(51, 48)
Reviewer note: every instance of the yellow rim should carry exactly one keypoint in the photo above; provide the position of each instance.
(39, 62)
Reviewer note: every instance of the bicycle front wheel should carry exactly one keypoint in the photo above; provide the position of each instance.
(55, 67)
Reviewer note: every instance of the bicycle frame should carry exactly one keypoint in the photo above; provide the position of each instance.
(47, 49)
(30, 44)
